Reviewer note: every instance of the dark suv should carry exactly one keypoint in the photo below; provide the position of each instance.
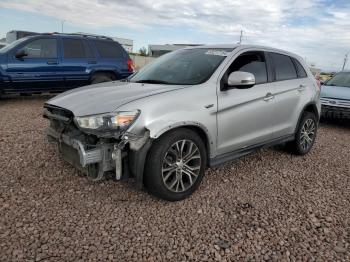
(57, 62)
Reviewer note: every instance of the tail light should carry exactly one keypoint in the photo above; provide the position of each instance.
(131, 66)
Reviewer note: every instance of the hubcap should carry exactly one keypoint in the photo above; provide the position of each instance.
(307, 134)
(181, 166)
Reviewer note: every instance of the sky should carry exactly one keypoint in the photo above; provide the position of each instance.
(317, 30)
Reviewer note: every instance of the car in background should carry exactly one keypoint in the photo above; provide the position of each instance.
(335, 96)
(58, 62)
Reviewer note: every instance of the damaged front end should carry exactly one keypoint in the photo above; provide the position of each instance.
(97, 152)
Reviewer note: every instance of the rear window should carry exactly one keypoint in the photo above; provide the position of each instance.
(300, 69)
(108, 49)
(284, 67)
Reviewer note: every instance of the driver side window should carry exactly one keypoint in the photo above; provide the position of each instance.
(251, 62)
(41, 48)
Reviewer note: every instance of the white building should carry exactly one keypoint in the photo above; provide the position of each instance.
(158, 50)
(128, 44)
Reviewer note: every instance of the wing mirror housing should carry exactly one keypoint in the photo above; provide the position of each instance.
(20, 54)
(240, 80)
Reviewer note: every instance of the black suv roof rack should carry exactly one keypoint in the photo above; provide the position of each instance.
(81, 34)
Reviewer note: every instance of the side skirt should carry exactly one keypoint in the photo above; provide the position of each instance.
(245, 151)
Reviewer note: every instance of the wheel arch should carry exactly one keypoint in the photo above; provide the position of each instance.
(103, 71)
(196, 127)
(309, 107)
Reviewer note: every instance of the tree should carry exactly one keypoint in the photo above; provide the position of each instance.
(143, 51)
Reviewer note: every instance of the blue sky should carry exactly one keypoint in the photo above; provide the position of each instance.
(317, 30)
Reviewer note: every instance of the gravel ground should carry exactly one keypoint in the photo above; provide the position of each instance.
(266, 206)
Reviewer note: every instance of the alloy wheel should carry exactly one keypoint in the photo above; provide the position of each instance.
(307, 134)
(181, 166)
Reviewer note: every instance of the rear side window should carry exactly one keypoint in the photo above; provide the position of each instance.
(284, 67)
(76, 48)
(41, 48)
(73, 48)
(108, 49)
(300, 69)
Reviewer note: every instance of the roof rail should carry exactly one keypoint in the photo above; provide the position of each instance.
(91, 35)
(80, 34)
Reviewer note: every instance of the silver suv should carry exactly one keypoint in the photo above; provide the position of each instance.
(188, 110)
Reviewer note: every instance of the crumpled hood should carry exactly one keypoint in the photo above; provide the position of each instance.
(106, 97)
(337, 92)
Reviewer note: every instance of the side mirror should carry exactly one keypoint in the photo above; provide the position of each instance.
(241, 80)
(21, 53)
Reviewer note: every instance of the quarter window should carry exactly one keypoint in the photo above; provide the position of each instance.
(251, 62)
(108, 49)
(300, 69)
(284, 67)
(41, 48)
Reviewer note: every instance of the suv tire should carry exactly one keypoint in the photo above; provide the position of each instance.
(175, 165)
(305, 135)
(102, 77)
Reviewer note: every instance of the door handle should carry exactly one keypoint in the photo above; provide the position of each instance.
(92, 62)
(52, 62)
(301, 88)
(268, 97)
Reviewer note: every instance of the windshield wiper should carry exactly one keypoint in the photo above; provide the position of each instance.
(153, 81)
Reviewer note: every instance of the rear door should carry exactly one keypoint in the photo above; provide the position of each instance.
(290, 88)
(77, 58)
(245, 115)
(38, 71)
(112, 56)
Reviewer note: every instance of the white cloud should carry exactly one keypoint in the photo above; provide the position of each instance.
(307, 27)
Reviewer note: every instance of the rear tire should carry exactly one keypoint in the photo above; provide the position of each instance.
(175, 165)
(102, 77)
(305, 135)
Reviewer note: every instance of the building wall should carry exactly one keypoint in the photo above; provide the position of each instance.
(141, 61)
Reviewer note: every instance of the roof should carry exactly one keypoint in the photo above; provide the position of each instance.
(258, 47)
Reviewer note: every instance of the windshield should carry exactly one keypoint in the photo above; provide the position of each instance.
(340, 79)
(183, 67)
(9, 46)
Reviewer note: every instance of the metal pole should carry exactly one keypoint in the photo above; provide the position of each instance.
(62, 22)
(345, 60)
(240, 38)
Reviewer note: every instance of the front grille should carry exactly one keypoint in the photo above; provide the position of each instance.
(59, 113)
(335, 112)
(335, 102)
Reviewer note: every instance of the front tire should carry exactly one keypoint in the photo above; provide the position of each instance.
(175, 165)
(305, 135)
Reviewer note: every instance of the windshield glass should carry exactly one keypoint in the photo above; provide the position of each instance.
(9, 46)
(183, 67)
(340, 79)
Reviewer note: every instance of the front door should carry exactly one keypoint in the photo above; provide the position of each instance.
(38, 70)
(244, 115)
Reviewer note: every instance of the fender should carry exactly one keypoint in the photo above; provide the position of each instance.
(190, 124)
(311, 104)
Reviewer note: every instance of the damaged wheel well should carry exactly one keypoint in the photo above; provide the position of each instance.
(199, 131)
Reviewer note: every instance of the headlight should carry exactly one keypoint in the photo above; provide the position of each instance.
(108, 122)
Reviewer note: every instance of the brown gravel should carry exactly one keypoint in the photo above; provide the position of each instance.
(266, 206)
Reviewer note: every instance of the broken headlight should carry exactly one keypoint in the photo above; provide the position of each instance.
(108, 122)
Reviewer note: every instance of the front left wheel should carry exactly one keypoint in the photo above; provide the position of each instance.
(175, 165)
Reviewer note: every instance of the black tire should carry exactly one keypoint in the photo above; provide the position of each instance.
(102, 77)
(156, 161)
(298, 145)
